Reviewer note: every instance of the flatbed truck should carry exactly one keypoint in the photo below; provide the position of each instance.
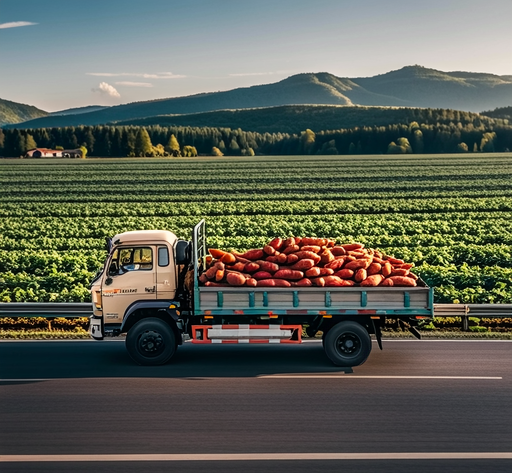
(149, 290)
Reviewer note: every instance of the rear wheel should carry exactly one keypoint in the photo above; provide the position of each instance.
(151, 342)
(347, 344)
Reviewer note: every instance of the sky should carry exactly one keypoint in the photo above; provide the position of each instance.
(59, 54)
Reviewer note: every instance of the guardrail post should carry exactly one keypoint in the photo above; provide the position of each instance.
(465, 319)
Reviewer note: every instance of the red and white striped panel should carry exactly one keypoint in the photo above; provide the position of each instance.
(245, 333)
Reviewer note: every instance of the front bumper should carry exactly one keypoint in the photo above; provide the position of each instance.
(96, 327)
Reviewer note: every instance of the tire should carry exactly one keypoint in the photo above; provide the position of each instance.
(347, 344)
(151, 342)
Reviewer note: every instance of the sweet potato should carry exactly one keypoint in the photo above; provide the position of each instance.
(347, 282)
(217, 254)
(272, 259)
(219, 275)
(290, 241)
(332, 281)
(313, 248)
(336, 264)
(374, 268)
(352, 246)
(203, 278)
(216, 284)
(251, 267)
(399, 272)
(253, 255)
(210, 272)
(373, 280)
(291, 249)
(303, 264)
(262, 275)
(269, 250)
(241, 259)
(338, 251)
(288, 274)
(320, 282)
(326, 271)
(313, 241)
(282, 258)
(276, 243)
(251, 282)
(292, 258)
(305, 282)
(358, 264)
(413, 276)
(360, 275)
(238, 267)
(273, 283)
(345, 273)
(404, 266)
(268, 266)
(308, 255)
(235, 279)
(378, 259)
(387, 282)
(402, 281)
(386, 269)
(326, 256)
(228, 258)
(313, 272)
(395, 260)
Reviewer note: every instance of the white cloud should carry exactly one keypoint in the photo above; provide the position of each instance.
(158, 75)
(16, 24)
(134, 84)
(107, 89)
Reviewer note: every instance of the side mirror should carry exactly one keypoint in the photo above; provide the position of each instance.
(108, 281)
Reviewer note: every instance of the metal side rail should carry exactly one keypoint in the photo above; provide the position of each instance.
(45, 309)
(473, 310)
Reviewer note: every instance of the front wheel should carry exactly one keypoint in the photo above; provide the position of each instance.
(151, 342)
(347, 344)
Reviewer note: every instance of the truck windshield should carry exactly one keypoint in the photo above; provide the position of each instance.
(131, 259)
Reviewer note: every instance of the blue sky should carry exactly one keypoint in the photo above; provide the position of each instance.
(58, 54)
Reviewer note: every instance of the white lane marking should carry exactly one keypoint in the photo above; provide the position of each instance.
(347, 376)
(270, 376)
(258, 456)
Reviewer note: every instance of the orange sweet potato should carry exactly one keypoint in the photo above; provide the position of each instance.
(373, 280)
(387, 282)
(402, 281)
(336, 264)
(313, 248)
(288, 274)
(238, 267)
(203, 278)
(273, 283)
(313, 272)
(276, 243)
(305, 282)
(291, 249)
(347, 282)
(219, 275)
(326, 271)
(352, 246)
(290, 241)
(395, 260)
(386, 269)
(269, 250)
(268, 266)
(313, 241)
(332, 281)
(326, 256)
(251, 267)
(217, 254)
(399, 272)
(358, 264)
(345, 273)
(228, 258)
(360, 275)
(216, 284)
(374, 268)
(253, 255)
(236, 279)
(272, 259)
(210, 272)
(282, 258)
(251, 282)
(292, 258)
(338, 251)
(303, 264)
(262, 275)
(308, 255)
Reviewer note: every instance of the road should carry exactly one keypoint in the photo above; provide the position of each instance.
(418, 406)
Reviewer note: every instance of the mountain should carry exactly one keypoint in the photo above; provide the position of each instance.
(296, 118)
(77, 111)
(13, 112)
(504, 113)
(411, 86)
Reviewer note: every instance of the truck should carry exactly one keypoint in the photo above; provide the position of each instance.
(149, 291)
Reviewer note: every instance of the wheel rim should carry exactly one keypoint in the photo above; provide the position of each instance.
(151, 343)
(348, 344)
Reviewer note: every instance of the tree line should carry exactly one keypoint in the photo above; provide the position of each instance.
(151, 141)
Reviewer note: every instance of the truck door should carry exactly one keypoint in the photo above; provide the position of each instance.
(131, 277)
(166, 274)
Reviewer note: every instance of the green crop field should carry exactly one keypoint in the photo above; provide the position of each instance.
(451, 214)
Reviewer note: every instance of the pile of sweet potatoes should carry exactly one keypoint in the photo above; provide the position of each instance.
(304, 262)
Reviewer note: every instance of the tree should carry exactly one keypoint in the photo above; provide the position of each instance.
(83, 149)
(143, 146)
(234, 148)
(30, 143)
(189, 151)
(417, 140)
(307, 141)
(173, 147)
(217, 152)
(462, 148)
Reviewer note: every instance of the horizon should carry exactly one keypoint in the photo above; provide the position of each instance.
(59, 55)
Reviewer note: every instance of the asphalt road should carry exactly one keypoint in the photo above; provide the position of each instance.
(416, 406)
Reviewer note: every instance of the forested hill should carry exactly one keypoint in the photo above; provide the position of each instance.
(13, 112)
(411, 86)
(296, 118)
(504, 113)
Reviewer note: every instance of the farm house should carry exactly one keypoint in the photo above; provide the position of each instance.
(54, 153)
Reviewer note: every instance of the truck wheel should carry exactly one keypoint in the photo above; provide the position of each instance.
(151, 342)
(347, 344)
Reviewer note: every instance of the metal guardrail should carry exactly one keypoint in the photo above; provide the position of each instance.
(45, 309)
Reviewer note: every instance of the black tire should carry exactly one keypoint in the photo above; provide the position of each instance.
(151, 342)
(347, 344)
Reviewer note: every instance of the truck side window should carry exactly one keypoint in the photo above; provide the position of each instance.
(163, 256)
(113, 269)
(135, 259)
